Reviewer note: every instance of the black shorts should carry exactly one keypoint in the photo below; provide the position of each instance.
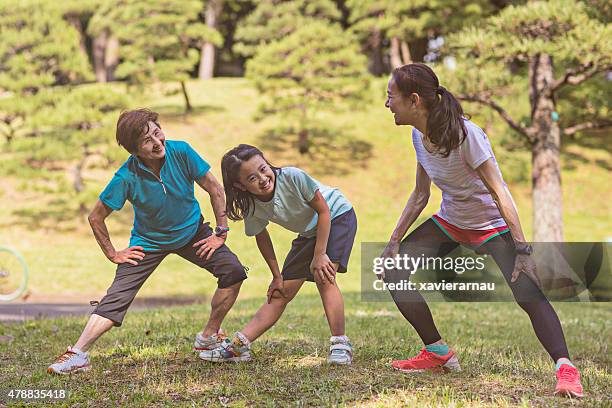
(339, 246)
(224, 265)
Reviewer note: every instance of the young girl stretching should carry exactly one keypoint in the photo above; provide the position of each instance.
(326, 225)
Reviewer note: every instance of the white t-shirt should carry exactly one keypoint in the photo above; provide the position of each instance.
(466, 201)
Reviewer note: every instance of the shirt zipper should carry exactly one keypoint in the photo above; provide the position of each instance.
(162, 183)
(157, 178)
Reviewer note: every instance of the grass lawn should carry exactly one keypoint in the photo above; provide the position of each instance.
(148, 361)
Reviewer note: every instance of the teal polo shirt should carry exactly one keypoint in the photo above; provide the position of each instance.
(166, 213)
(294, 189)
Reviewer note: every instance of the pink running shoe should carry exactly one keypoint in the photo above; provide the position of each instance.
(428, 361)
(568, 382)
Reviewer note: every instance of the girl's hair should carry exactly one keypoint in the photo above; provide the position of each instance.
(445, 127)
(238, 203)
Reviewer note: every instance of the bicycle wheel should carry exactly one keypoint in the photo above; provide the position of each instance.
(13, 274)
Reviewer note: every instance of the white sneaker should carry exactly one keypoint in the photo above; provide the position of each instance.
(203, 343)
(234, 350)
(340, 351)
(72, 361)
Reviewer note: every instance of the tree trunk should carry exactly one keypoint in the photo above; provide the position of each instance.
(99, 53)
(376, 64)
(188, 107)
(418, 49)
(111, 58)
(546, 167)
(207, 54)
(396, 59)
(406, 57)
(303, 145)
(75, 21)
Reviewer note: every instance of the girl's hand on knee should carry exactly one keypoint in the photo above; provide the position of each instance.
(277, 285)
(323, 269)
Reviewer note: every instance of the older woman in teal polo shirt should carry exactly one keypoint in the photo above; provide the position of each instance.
(158, 180)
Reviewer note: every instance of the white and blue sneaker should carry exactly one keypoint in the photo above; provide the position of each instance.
(202, 342)
(340, 351)
(237, 349)
(72, 361)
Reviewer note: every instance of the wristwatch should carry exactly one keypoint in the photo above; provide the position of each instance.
(221, 230)
(523, 248)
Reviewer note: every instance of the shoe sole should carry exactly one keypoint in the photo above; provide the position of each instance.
(339, 362)
(568, 394)
(238, 359)
(72, 371)
(452, 365)
(200, 349)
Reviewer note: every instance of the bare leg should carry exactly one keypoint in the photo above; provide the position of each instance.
(221, 303)
(96, 327)
(333, 305)
(269, 313)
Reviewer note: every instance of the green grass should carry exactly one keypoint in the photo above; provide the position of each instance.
(148, 360)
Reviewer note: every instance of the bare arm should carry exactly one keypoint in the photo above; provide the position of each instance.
(321, 266)
(494, 183)
(492, 180)
(319, 204)
(217, 196)
(415, 205)
(98, 226)
(264, 243)
(210, 244)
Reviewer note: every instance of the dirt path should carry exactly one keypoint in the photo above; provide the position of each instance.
(41, 308)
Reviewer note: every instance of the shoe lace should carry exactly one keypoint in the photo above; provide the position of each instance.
(567, 374)
(66, 356)
(421, 356)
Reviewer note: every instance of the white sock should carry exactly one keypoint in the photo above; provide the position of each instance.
(243, 339)
(339, 339)
(78, 352)
(562, 361)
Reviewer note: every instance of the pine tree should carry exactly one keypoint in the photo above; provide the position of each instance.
(160, 40)
(38, 49)
(382, 24)
(559, 47)
(273, 20)
(316, 68)
(49, 124)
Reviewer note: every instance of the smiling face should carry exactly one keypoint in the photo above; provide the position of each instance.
(152, 144)
(404, 108)
(257, 177)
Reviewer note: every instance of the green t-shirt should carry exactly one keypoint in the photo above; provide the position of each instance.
(289, 207)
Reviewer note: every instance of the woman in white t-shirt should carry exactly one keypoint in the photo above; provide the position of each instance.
(477, 210)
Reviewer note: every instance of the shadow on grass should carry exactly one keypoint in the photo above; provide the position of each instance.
(597, 140)
(58, 215)
(61, 215)
(326, 151)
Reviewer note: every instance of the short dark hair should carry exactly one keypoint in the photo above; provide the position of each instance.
(132, 124)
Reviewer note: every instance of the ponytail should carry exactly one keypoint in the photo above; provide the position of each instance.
(445, 127)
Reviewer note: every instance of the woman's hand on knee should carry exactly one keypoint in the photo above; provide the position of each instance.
(525, 264)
